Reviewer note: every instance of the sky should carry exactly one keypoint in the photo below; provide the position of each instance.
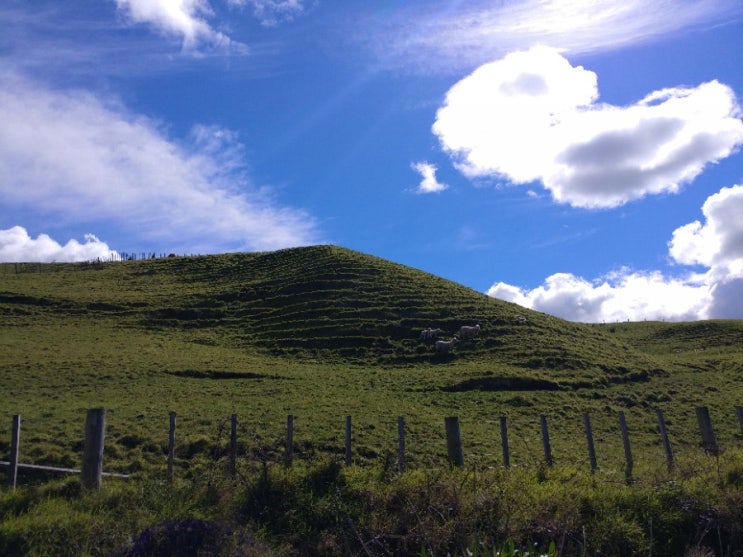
(579, 158)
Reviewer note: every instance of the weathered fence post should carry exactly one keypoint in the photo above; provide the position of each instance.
(454, 441)
(348, 440)
(400, 444)
(233, 446)
(171, 447)
(15, 446)
(504, 442)
(665, 440)
(91, 472)
(289, 457)
(705, 427)
(627, 449)
(739, 412)
(589, 440)
(546, 440)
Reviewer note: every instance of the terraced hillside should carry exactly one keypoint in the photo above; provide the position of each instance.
(328, 304)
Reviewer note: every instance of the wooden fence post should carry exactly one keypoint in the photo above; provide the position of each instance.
(233, 446)
(546, 441)
(15, 446)
(665, 440)
(400, 444)
(91, 472)
(504, 442)
(705, 427)
(589, 440)
(739, 412)
(289, 457)
(454, 441)
(171, 447)
(627, 449)
(348, 440)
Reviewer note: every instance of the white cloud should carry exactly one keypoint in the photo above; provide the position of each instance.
(185, 19)
(189, 19)
(727, 299)
(719, 241)
(621, 296)
(429, 183)
(531, 116)
(438, 38)
(717, 244)
(77, 158)
(630, 295)
(272, 12)
(17, 246)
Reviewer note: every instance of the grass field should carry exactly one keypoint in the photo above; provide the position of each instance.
(324, 332)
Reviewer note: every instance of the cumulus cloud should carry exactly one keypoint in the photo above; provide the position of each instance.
(185, 19)
(532, 116)
(715, 293)
(433, 37)
(78, 158)
(429, 183)
(718, 242)
(17, 246)
(620, 296)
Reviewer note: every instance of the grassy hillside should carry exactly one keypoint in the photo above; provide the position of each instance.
(321, 332)
(325, 303)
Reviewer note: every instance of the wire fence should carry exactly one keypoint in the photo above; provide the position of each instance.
(237, 441)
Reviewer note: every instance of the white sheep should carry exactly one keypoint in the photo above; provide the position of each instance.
(445, 346)
(429, 333)
(466, 331)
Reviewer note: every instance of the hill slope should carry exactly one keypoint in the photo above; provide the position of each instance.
(324, 334)
(323, 303)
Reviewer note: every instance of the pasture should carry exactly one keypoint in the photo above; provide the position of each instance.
(321, 333)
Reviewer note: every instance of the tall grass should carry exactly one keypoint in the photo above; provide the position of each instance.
(327, 509)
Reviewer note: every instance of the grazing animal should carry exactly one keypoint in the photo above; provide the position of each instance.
(466, 331)
(446, 346)
(429, 333)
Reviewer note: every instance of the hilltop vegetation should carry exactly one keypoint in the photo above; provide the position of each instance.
(323, 332)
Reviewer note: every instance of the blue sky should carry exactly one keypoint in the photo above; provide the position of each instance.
(581, 158)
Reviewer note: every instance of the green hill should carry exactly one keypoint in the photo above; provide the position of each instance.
(323, 303)
(322, 331)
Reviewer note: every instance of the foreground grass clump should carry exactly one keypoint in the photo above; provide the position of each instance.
(326, 509)
(124, 518)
